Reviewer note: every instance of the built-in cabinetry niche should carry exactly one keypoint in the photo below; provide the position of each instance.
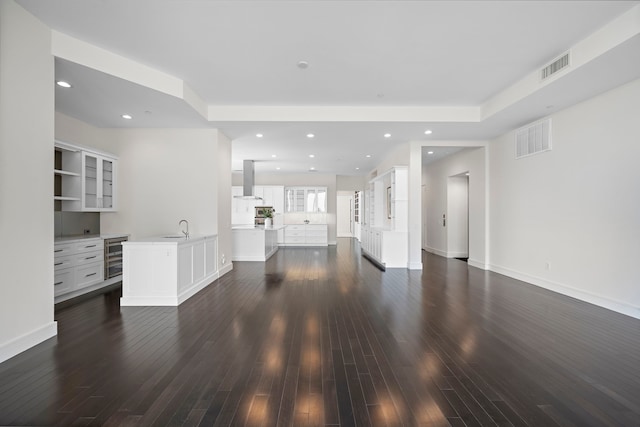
(384, 233)
(84, 180)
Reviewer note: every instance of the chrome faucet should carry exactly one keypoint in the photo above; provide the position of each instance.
(186, 233)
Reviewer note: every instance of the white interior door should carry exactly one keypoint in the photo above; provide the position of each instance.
(344, 216)
(457, 225)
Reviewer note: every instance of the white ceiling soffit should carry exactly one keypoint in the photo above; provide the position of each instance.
(371, 74)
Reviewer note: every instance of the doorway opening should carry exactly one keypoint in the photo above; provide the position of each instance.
(458, 216)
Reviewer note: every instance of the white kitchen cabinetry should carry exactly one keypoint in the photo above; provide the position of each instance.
(306, 199)
(98, 183)
(167, 271)
(243, 210)
(67, 171)
(84, 179)
(78, 265)
(306, 235)
(384, 235)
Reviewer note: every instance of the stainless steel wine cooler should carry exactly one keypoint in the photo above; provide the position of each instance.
(113, 257)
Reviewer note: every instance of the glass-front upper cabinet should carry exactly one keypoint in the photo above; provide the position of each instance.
(306, 199)
(98, 192)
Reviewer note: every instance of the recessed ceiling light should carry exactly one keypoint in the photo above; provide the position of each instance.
(387, 135)
(312, 168)
(368, 155)
(467, 174)
(127, 116)
(278, 169)
(303, 65)
(310, 135)
(429, 152)
(63, 84)
(274, 156)
(428, 132)
(357, 169)
(259, 135)
(312, 155)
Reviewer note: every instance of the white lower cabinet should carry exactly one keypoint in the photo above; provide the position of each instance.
(385, 247)
(63, 281)
(77, 265)
(167, 271)
(306, 235)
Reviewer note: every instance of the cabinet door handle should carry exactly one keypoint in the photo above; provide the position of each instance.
(92, 274)
(90, 246)
(58, 250)
(91, 257)
(58, 283)
(58, 263)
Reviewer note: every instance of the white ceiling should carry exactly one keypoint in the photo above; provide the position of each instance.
(360, 54)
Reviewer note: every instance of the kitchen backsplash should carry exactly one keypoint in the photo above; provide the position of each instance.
(76, 223)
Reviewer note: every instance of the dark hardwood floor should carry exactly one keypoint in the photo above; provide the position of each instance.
(319, 336)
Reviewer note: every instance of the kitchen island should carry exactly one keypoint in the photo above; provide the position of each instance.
(254, 242)
(167, 270)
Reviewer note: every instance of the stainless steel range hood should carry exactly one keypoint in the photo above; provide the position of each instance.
(248, 181)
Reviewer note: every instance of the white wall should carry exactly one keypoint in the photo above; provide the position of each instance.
(435, 179)
(397, 156)
(576, 207)
(26, 184)
(350, 183)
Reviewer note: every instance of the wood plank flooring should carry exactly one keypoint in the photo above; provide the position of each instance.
(320, 336)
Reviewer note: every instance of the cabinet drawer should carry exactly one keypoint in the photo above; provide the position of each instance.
(89, 274)
(63, 281)
(61, 249)
(316, 227)
(322, 240)
(295, 227)
(89, 245)
(294, 233)
(316, 233)
(89, 257)
(294, 240)
(62, 262)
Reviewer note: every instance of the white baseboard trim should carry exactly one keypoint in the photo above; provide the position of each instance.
(599, 300)
(197, 287)
(224, 270)
(333, 242)
(24, 342)
(477, 264)
(457, 255)
(415, 266)
(435, 251)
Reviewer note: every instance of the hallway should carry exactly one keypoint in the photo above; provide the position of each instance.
(319, 336)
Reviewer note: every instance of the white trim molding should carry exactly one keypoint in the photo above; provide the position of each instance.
(599, 300)
(28, 340)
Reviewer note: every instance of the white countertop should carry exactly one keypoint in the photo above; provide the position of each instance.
(79, 237)
(170, 239)
(257, 227)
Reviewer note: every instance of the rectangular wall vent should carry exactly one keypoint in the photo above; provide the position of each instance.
(555, 66)
(533, 139)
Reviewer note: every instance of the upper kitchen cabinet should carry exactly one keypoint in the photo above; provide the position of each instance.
(98, 184)
(306, 199)
(84, 180)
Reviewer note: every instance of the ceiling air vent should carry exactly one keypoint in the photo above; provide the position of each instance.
(533, 139)
(555, 66)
